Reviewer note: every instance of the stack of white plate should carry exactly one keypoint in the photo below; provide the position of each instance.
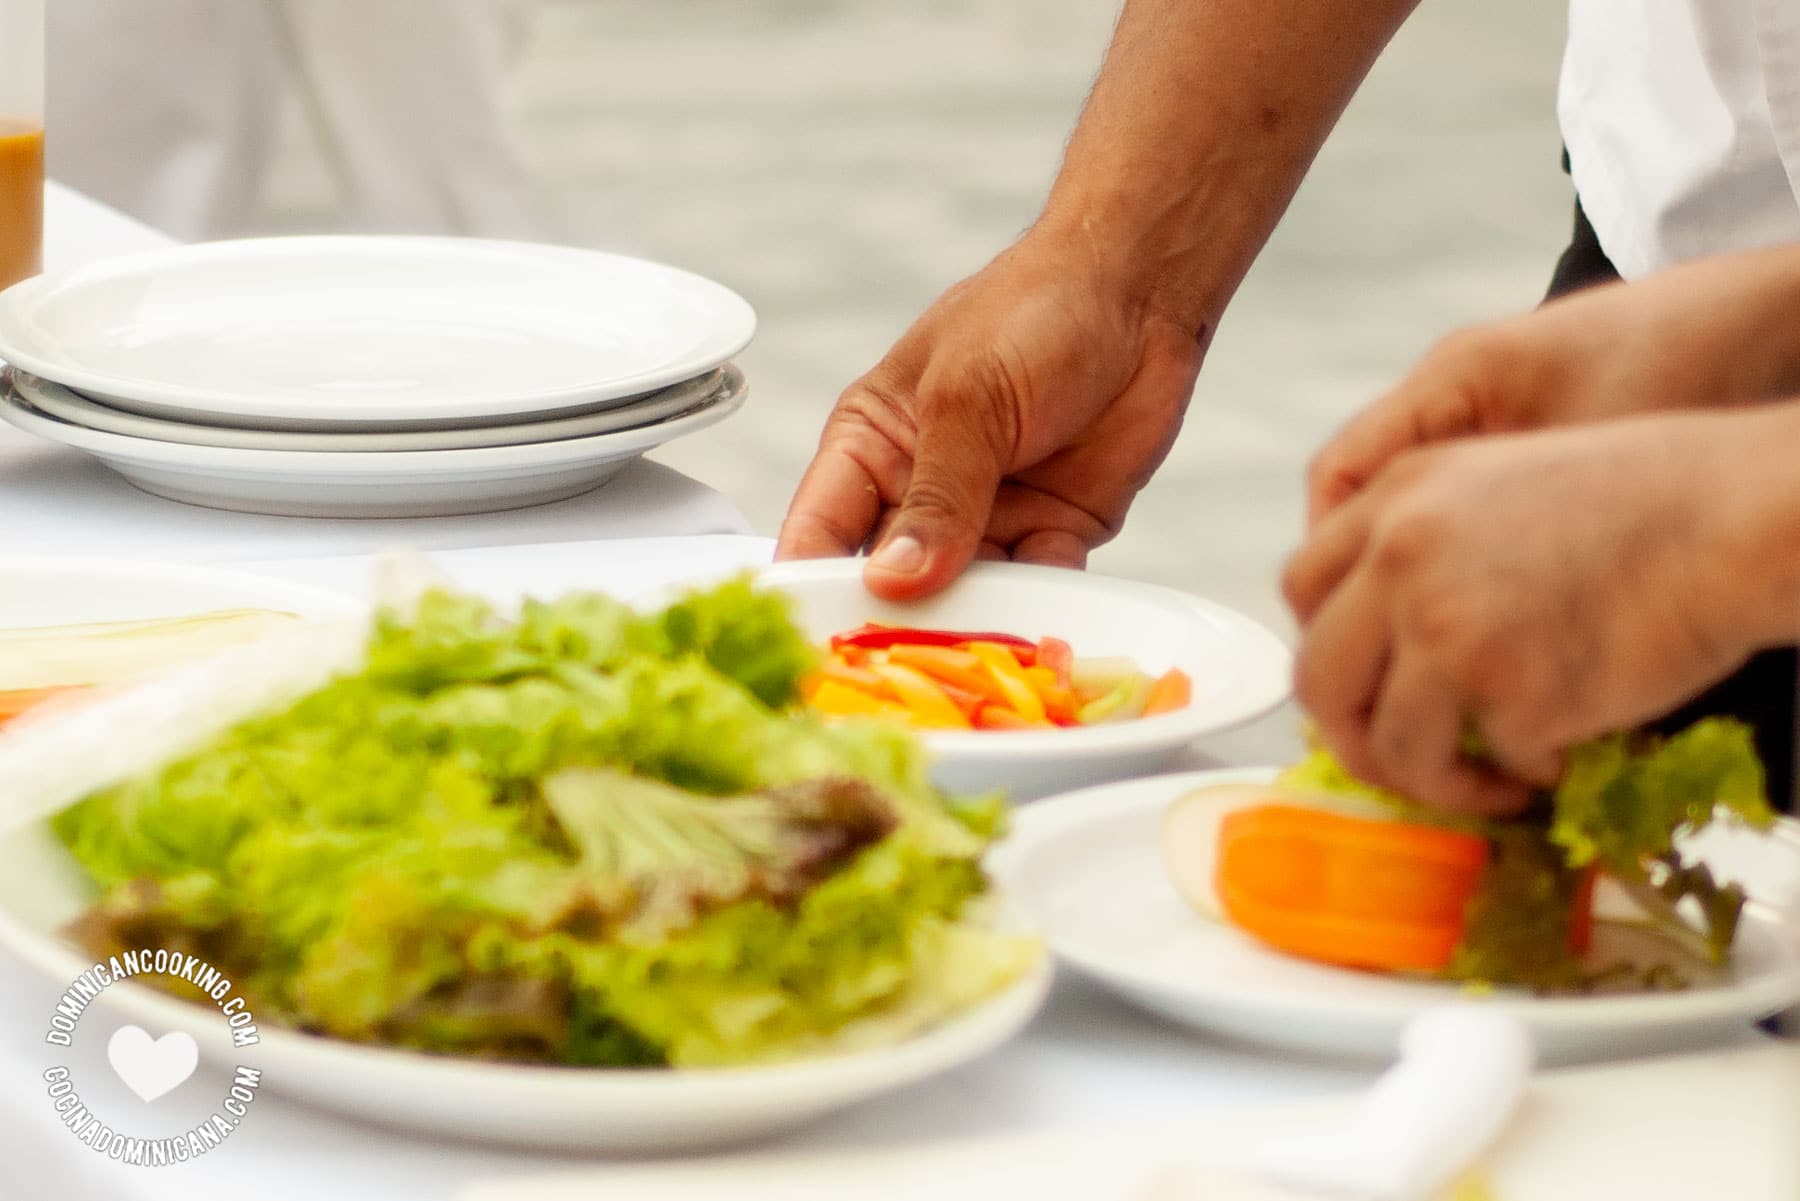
(364, 377)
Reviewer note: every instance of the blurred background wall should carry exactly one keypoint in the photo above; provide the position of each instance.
(841, 161)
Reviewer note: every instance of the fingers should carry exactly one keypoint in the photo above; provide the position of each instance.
(1387, 714)
(840, 499)
(938, 529)
(1354, 456)
(1415, 745)
(1338, 670)
(1468, 382)
(1327, 557)
(1516, 744)
(1051, 548)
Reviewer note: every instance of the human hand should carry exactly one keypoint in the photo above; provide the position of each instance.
(1714, 332)
(1017, 418)
(1538, 590)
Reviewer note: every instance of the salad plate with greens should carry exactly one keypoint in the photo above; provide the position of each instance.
(1651, 901)
(581, 876)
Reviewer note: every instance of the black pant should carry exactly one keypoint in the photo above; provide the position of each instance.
(1762, 692)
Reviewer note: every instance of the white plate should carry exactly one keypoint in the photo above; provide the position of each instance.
(572, 1109)
(365, 332)
(581, 1110)
(65, 404)
(1240, 669)
(410, 483)
(1087, 869)
(41, 590)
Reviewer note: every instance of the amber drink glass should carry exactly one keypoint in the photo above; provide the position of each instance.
(21, 139)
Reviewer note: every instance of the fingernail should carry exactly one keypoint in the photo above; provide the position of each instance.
(904, 555)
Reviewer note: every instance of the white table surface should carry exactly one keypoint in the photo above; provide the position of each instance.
(1088, 1064)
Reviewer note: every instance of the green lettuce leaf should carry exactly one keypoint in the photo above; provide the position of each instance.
(589, 836)
(1623, 799)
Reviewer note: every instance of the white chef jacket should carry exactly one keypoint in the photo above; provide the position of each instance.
(1682, 121)
(168, 109)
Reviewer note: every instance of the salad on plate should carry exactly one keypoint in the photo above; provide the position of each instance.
(1590, 889)
(583, 835)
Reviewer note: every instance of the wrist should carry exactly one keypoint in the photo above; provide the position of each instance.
(1153, 253)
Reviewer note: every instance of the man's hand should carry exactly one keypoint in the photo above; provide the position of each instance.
(1537, 590)
(1021, 414)
(1018, 418)
(1711, 333)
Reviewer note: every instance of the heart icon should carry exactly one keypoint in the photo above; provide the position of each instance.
(152, 1068)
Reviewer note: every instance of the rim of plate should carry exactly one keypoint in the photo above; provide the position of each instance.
(110, 568)
(732, 393)
(1033, 825)
(1263, 668)
(19, 346)
(957, 1039)
(64, 404)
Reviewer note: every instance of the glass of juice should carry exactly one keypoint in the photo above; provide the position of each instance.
(21, 139)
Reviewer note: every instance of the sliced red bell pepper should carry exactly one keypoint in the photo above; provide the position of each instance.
(875, 637)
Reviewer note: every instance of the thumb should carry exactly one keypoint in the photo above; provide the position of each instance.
(938, 527)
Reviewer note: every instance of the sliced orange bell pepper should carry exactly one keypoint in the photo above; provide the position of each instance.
(1171, 691)
(925, 702)
(1011, 678)
(856, 677)
(1345, 890)
(834, 699)
(949, 665)
(999, 717)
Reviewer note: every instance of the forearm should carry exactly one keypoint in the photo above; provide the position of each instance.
(1749, 503)
(1731, 330)
(1205, 117)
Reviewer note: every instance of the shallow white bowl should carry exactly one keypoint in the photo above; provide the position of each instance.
(68, 405)
(402, 483)
(1240, 669)
(578, 1110)
(369, 332)
(1087, 869)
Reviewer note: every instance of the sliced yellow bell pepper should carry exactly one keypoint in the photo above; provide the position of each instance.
(1012, 680)
(925, 702)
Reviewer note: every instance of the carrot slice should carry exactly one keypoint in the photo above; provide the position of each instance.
(1346, 890)
(18, 702)
(1171, 691)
